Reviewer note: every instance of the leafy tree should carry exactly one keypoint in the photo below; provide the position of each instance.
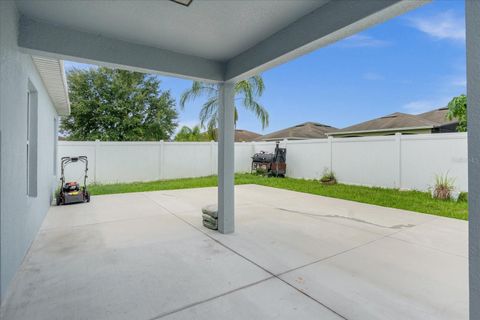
(457, 109)
(246, 92)
(191, 134)
(118, 105)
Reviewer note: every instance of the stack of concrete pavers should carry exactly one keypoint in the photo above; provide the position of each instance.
(210, 216)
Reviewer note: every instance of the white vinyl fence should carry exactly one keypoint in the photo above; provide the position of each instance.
(400, 161)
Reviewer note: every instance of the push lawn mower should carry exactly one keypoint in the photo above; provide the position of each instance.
(71, 192)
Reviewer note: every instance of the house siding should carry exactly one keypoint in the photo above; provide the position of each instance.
(21, 216)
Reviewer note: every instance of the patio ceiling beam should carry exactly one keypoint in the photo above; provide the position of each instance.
(327, 24)
(472, 10)
(40, 38)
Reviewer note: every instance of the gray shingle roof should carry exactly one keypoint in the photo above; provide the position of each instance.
(245, 135)
(307, 130)
(437, 115)
(395, 120)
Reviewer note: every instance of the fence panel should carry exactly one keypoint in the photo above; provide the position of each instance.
(425, 156)
(243, 156)
(307, 159)
(407, 162)
(187, 159)
(127, 161)
(365, 161)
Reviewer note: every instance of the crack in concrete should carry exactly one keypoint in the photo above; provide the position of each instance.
(336, 216)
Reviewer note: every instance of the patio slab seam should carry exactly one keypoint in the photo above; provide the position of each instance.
(273, 275)
(389, 236)
(331, 256)
(210, 299)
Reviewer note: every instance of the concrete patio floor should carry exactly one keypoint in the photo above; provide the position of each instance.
(293, 256)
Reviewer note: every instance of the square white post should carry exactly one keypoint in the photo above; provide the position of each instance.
(472, 10)
(226, 169)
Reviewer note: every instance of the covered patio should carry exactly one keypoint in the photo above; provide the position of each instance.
(293, 256)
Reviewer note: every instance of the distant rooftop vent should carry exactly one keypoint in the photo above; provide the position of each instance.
(185, 3)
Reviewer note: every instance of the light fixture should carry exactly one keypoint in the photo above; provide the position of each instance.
(185, 3)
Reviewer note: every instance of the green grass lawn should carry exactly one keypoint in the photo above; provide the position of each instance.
(408, 200)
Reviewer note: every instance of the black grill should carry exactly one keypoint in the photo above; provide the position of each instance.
(271, 163)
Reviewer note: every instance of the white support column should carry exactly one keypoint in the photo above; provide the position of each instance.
(472, 10)
(226, 160)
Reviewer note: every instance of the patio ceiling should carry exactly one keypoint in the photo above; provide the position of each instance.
(208, 40)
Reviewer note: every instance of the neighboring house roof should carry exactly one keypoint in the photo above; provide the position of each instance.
(307, 130)
(391, 122)
(245, 135)
(52, 73)
(438, 115)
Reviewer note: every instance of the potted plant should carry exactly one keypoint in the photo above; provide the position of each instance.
(328, 177)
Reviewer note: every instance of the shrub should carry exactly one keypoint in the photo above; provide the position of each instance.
(260, 171)
(328, 177)
(444, 186)
(463, 197)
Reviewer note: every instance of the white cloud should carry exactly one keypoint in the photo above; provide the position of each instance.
(373, 76)
(362, 40)
(419, 106)
(445, 25)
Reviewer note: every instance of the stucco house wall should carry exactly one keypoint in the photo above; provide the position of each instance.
(21, 215)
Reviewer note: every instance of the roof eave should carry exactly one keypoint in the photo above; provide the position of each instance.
(52, 72)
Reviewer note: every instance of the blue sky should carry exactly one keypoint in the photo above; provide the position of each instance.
(412, 63)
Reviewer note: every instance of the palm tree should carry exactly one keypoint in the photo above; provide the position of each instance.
(191, 134)
(246, 91)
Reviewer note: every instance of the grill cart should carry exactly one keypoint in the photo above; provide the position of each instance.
(274, 164)
(72, 192)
